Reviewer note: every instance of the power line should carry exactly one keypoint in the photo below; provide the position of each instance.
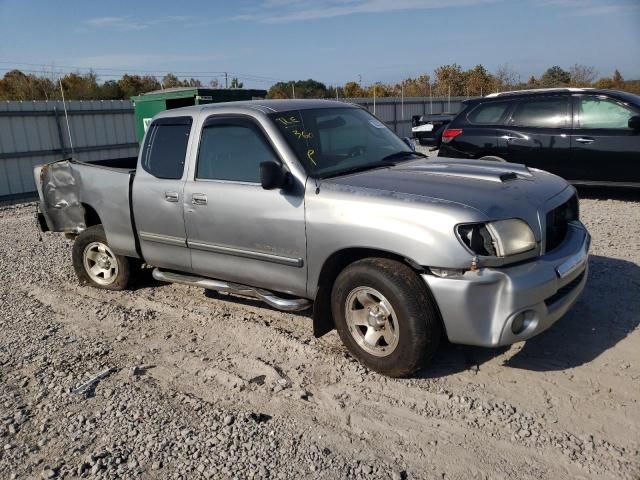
(135, 70)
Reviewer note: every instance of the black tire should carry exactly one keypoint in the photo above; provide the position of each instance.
(120, 272)
(418, 321)
(492, 158)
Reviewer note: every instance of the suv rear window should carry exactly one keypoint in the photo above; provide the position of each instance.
(488, 113)
(541, 113)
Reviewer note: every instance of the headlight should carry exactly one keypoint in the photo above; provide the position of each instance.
(501, 238)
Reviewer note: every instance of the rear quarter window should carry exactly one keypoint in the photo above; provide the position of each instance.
(546, 112)
(165, 147)
(490, 113)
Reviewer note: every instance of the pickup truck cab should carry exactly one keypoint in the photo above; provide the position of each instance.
(309, 202)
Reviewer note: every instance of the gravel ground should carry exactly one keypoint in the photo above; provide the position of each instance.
(205, 385)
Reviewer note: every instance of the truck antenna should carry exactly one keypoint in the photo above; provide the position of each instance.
(66, 116)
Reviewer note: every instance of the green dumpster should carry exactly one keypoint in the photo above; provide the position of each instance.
(149, 104)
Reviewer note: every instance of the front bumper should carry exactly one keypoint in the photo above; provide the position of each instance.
(480, 308)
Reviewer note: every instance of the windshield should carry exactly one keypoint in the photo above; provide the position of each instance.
(329, 141)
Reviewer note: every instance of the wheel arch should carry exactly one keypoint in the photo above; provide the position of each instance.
(91, 216)
(323, 321)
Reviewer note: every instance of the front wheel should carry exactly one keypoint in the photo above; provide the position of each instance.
(385, 316)
(96, 264)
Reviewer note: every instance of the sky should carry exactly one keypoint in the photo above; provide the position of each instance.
(263, 41)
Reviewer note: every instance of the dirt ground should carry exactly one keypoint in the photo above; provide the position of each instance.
(562, 405)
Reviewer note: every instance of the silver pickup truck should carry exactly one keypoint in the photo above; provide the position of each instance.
(305, 202)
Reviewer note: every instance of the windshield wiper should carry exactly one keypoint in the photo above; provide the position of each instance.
(402, 154)
(388, 161)
(360, 168)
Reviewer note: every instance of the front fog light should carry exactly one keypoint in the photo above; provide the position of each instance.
(522, 321)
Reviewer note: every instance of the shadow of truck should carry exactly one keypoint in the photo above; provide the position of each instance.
(608, 311)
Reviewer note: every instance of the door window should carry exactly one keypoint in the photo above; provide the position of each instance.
(602, 112)
(165, 147)
(541, 113)
(232, 152)
(488, 113)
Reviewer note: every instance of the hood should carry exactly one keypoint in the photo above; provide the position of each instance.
(498, 190)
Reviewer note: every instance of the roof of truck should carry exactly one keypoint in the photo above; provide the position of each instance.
(265, 106)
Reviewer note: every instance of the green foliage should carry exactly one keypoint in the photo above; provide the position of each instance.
(301, 89)
(447, 79)
(555, 77)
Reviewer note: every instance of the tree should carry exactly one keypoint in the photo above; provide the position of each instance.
(555, 77)
(235, 83)
(479, 81)
(582, 75)
(618, 81)
(171, 81)
(506, 78)
(215, 83)
(353, 90)
(79, 86)
(449, 78)
(281, 90)
(417, 87)
(131, 85)
(301, 89)
(379, 90)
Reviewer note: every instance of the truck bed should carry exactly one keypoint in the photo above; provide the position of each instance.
(74, 195)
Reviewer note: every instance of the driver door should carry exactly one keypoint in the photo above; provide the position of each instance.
(236, 230)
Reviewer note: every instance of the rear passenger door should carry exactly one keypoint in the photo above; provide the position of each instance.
(157, 194)
(236, 230)
(603, 147)
(537, 134)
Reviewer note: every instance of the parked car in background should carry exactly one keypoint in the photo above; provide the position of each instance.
(427, 129)
(301, 202)
(587, 136)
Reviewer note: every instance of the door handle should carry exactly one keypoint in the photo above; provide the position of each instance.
(199, 199)
(171, 196)
(585, 140)
(508, 137)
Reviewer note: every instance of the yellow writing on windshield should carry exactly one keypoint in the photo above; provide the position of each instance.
(301, 134)
(287, 121)
(310, 153)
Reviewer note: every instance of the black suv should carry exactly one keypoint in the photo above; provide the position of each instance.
(588, 136)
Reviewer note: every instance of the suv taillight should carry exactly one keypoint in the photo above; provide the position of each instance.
(450, 133)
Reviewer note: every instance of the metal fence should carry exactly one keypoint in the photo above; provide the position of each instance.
(32, 133)
(397, 112)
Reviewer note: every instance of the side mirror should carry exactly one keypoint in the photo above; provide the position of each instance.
(634, 122)
(409, 142)
(273, 176)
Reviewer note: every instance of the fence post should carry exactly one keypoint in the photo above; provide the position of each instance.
(395, 117)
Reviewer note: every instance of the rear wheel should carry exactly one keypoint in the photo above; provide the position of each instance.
(96, 264)
(385, 316)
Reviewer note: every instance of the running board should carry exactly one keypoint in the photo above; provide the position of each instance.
(270, 298)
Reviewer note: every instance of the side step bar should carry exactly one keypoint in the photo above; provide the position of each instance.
(286, 304)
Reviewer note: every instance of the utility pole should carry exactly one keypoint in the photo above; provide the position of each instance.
(226, 80)
(449, 101)
(293, 87)
(360, 80)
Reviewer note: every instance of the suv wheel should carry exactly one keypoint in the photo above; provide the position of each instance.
(385, 316)
(96, 264)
